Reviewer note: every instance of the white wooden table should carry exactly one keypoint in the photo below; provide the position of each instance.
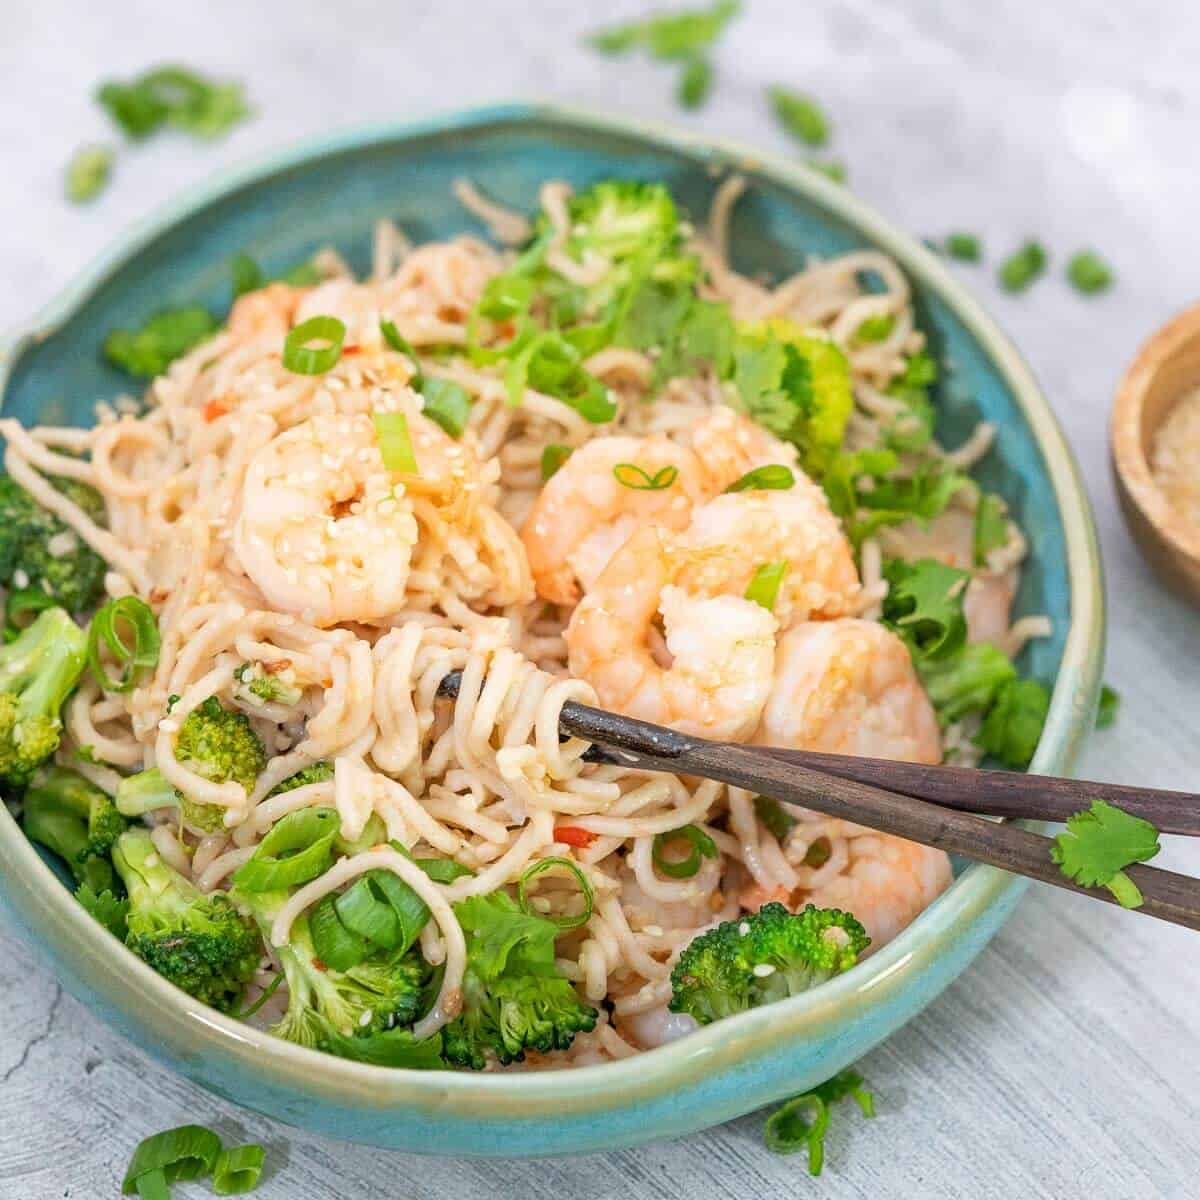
(1064, 1064)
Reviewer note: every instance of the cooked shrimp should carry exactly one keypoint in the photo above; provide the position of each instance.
(728, 445)
(732, 536)
(585, 513)
(269, 310)
(848, 687)
(723, 647)
(322, 531)
(887, 885)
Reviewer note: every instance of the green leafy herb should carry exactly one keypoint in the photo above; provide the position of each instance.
(912, 430)
(1099, 844)
(800, 115)
(237, 1170)
(585, 887)
(1089, 273)
(1110, 705)
(700, 845)
(772, 814)
(966, 247)
(88, 173)
(173, 96)
(764, 587)
(188, 1152)
(552, 365)
(632, 476)
(695, 83)
(831, 168)
(774, 477)
(127, 629)
(247, 275)
(801, 1123)
(446, 402)
(105, 908)
(1013, 726)
(149, 351)
(302, 358)
(924, 605)
(991, 526)
(553, 457)
(875, 329)
(965, 682)
(298, 848)
(1022, 267)
(395, 444)
(677, 35)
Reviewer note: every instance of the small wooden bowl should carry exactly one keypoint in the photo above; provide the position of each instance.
(1166, 369)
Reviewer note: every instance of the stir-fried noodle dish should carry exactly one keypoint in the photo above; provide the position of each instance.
(583, 460)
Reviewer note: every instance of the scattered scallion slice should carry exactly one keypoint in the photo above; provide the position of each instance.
(553, 457)
(88, 173)
(774, 477)
(966, 247)
(700, 845)
(399, 343)
(298, 848)
(831, 168)
(238, 1169)
(800, 115)
(173, 95)
(1089, 273)
(446, 402)
(764, 586)
(395, 444)
(1110, 705)
(1022, 267)
(301, 358)
(168, 335)
(247, 275)
(694, 83)
(875, 329)
(547, 864)
(632, 476)
(126, 627)
(187, 1152)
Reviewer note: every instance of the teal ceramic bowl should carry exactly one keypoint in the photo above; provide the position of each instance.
(330, 192)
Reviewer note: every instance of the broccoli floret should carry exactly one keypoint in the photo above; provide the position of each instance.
(219, 744)
(725, 970)
(70, 792)
(380, 993)
(318, 772)
(38, 671)
(39, 551)
(199, 942)
(618, 218)
(514, 997)
(144, 792)
(257, 686)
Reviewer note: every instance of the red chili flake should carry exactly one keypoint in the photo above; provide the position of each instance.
(214, 410)
(572, 835)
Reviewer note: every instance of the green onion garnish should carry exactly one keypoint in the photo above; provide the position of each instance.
(446, 402)
(700, 846)
(966, 247)
(553, 457)
(335, 945)
(265, 995)
(764, 587)
(301, 358)
(800, 115)
(774, 477)
(188, 1152)
(1089, 273)
(773, 815)
(173, 96)
(799, 1124)
(88, 173)
(395, 445)
(632, 476)
(818, 854)
(1110, 704)
(831, 168)
(875, 329)
(247, 275)
(546, 864)
(168, 335)
(114, 623)
(991, 526)
(694, 83)
(401, 345)
(1020, 269)
(238, 1169)
(298, 848)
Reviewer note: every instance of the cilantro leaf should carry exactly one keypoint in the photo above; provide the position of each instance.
(105, 908)
(921, 496)
(168, 335)
(1099, 843)
(676, 35)
(175, 96)
(991, 526)
(924, 605)
(965, 682)
(1013, 726)
(1110, 705)
(695, 83)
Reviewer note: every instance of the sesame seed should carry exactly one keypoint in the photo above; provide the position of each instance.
(762, 970)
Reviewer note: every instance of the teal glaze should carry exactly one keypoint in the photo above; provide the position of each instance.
(331, 192)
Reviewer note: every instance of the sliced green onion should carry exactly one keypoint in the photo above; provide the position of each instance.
(818, 854)
(302, 359)
(764, 587)
(701, 846)
(695, 83)
(553, 457)
(800, 115)
(875, 329)
(298, 848)
(238, 1169)
(133, 658)
(333, 943)
(401, 345)
(153, 1186)
(1021, 268)
(772, 478)
(247, 275)
(446, 402)
(266, 994)
(773, 815)
(1089, 273)
(364, 910)
(799, 1124)
(188, 1152)
(443, 870)
(546, 864)
(632, 476)
(965, 247)
(391, 431)
(1110, 704)
(831, 168)
(88, 172)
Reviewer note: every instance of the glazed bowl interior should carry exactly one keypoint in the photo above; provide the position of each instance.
(331, 193)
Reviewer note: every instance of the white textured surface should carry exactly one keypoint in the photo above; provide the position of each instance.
(1064, 1063)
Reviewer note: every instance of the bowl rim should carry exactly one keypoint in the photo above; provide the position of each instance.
(590, 1090)
(1126, 441)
